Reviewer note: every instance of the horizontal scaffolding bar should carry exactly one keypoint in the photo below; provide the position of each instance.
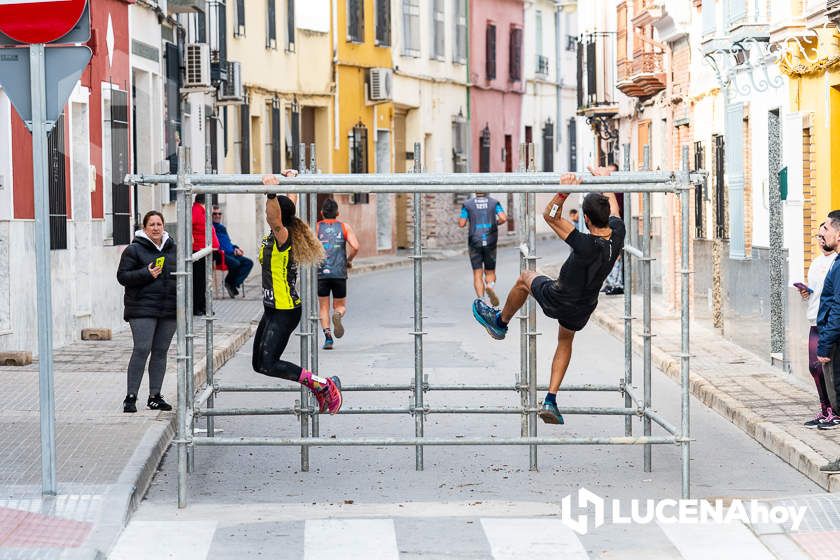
(656, 417)
(221, 388)
(274, 411)
(410, 442)
(201, 253)
(647, 181)
(633, 251)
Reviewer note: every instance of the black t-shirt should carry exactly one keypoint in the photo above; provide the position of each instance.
(591, 261)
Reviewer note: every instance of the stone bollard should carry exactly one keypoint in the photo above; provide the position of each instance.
(96, 334)
(20, 358)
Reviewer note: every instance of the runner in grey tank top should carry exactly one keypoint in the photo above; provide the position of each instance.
(340, 245)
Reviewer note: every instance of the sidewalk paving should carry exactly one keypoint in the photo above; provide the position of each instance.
(105, 459)
(760, 399)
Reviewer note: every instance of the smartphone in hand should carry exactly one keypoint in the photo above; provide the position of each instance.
(159, 262)
(801, 286)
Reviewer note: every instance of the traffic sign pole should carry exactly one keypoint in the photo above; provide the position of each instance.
(46, 390)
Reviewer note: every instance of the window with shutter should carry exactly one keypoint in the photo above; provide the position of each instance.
(460, 20)
(548, 145)
(411, 27)
(484, 151)
(490, 52)
(699, 164)
(721, 229)
(57, 181)
(245, 138)
(571, 134)
(271, 24)
(276, 153)
(438, 22)
(356, 21)
(359, 157)
(239, 29)
(290, 25)
(515, 62)
(383, 23)
(121, 204)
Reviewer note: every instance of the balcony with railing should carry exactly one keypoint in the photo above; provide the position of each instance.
(645, 12)
(596, 74)
(643, 75)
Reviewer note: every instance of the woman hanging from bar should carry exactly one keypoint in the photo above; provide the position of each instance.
(572, 297)
(289, 244)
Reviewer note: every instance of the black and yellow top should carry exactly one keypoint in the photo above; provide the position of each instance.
(279, 274)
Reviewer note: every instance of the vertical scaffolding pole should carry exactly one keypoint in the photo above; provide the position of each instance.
(183, 250)
(209, 317)
(419, 416)
(628, 313)
(190, 386)
(531, 226)
(646, 312)
(521, 220)
(304, 330)
(313, 292)
(685, 431)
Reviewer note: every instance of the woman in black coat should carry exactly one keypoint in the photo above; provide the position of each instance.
(146, 270)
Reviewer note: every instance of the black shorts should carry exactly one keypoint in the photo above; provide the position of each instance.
(572, 315)
(483, 257)
(338, 287)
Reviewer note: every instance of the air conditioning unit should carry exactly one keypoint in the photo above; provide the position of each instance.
(231, 90)
(380, 84)
(197, 63)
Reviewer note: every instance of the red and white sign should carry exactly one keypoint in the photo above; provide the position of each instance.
(39, 21)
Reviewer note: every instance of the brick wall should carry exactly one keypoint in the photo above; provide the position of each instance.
(440, 222)
(748, 186)
(810, 221)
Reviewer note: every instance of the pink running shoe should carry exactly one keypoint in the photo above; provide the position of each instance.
(334, 398)
(329, 399)
(819, 419)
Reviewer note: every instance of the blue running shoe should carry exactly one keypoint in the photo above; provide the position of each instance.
(550, 414)
(328, 343)
(486, 316)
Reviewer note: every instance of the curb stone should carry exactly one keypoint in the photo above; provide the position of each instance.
(787, 447)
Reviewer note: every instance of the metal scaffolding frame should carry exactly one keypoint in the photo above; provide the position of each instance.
(192, 404)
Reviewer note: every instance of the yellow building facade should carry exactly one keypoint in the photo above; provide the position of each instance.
(811, 61)
(361, 137)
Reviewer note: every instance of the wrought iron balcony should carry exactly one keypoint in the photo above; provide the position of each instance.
(596, 74)
(642, 76)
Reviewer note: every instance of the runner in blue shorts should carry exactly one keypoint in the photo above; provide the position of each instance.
(573, 296)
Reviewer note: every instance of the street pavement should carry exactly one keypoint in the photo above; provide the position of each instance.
(468, 502)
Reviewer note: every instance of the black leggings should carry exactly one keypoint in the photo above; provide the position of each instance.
(276, 326)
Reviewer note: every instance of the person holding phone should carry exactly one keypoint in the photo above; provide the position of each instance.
(817, 272)
(146, 270)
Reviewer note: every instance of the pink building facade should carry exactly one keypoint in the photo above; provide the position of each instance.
(496, 83)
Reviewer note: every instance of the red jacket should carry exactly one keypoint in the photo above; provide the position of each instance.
(198, 224)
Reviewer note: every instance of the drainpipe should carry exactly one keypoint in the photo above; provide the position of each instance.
(558, 65)
(469, 107)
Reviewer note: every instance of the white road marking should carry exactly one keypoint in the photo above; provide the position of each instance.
(350, 539)
(184, 540)
(513, 539)
(721, 541)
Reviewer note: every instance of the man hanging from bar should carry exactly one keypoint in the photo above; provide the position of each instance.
(573, 296)
(289, 244)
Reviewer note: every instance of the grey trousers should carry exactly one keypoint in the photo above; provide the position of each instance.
(151, 336)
